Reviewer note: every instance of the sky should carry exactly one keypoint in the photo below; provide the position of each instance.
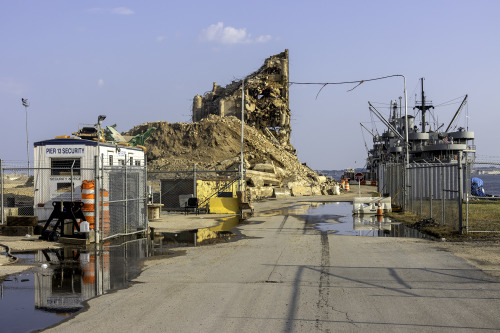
(143, 61)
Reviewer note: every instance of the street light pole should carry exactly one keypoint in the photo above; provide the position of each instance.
(407, 155)
(26, 104)
(98, 180)
(242, 132)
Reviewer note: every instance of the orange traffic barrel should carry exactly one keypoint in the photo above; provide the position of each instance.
(105, 219)
(347, 185)
(379, 210)
(87, 262)
(88, 199)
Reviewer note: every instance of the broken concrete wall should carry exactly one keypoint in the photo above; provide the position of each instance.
(267, 106)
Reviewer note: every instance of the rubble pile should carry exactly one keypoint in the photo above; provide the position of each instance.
(266, 94)
(214, 143)
(213, 140)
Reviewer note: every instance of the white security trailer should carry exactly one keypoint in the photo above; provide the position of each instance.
(61, 165)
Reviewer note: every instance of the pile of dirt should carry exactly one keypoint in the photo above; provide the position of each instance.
(214, 143)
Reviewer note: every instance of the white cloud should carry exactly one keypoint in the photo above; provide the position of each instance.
(122, 11)
(263, 39)
(100, 82)
(10, 86)
(160, 38)
(117, 10)
(217, 33)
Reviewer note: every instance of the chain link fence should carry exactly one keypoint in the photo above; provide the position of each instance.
(115, 193)
(433, 191)
(125, 186)
(173, 188)
(483, 201)
(16, 191)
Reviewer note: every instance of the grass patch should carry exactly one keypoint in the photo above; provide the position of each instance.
(406, 217)
(484, 215)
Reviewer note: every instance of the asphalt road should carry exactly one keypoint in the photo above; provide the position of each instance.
(283, 275)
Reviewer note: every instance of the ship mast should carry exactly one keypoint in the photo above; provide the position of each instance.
(423, 107)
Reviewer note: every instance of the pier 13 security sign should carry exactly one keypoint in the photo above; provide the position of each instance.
(65, 151)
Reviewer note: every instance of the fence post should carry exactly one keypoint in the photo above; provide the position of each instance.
(101, 194)
(431, 194)
(195, 193)
(126, 196)
(146, 194)
(460, 193)
(421, 190)
(405, 186)
(72, 183)
(443, 215)
(97, 195)
(1, 191)
(467, 212)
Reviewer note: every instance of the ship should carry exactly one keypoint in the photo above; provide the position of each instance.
(425, 143)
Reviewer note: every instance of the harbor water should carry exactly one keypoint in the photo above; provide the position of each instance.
(491, 184)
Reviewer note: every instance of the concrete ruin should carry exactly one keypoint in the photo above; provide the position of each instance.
(266, 100)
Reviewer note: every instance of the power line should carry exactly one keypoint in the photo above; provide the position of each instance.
(359, 82)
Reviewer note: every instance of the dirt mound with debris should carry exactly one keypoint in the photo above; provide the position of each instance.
(214, 143)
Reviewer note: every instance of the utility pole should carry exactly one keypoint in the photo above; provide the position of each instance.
(26, 104)
(242, 175)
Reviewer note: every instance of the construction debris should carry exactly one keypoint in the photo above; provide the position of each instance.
(213, 140)
(214, 143)
(266, 100)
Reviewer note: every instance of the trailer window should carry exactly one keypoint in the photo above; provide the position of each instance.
(63, 187)
(62, 166)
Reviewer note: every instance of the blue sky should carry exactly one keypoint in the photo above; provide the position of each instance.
(141, 61)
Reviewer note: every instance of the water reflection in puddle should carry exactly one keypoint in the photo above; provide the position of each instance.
(41, 297)
(62, 279)
(337, 218)
(223, 232)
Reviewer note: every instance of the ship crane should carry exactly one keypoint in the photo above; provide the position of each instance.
(457, 113)
(367, 129)
(382, 119)
(373, 135)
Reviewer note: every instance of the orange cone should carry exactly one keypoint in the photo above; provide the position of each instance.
(379, 210)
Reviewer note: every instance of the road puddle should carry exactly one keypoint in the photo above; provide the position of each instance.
(61, 280)
(223, 232)
(337, 218)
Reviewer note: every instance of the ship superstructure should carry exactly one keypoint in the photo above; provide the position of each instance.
(425, 144)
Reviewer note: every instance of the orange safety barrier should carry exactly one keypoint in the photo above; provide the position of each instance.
(347, 186)
(379, 210)
(88, 209)
(88, 199)
(105, 218)
(87, 262)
